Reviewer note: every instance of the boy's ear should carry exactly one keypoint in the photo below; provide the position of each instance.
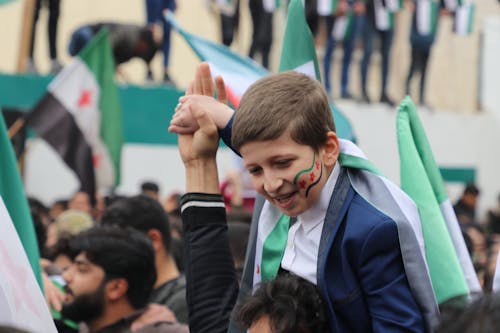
(331, 149)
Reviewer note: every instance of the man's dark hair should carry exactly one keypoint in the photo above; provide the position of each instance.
(150, 186)
(141, 213)
(471, 188)
(291, 303)
(482, 315)
(121, 253)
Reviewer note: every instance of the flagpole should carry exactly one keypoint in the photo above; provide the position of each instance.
(26, 31)
(16, 127)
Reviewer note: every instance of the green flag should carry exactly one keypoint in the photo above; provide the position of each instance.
(12, 192)
(450, 267)
(298, 51)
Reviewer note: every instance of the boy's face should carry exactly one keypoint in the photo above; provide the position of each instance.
(288, 174)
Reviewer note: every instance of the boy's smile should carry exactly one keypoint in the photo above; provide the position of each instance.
(288, 174)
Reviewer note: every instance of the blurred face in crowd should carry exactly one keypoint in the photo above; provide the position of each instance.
(81, 202)
(85, 299)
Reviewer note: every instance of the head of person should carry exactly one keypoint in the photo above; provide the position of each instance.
(284, 305)
(470, 195)
(150, 189)
(81, 201)
(482, 315)
(113, 269)
(142, 213)
(146, 46)
(285, 133)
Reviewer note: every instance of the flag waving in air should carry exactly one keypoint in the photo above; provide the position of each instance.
(12, 191)
(238, 72)
(80, 116)
(450, 267)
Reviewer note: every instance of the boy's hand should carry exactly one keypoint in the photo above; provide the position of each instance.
(203, 143)
(182, 121)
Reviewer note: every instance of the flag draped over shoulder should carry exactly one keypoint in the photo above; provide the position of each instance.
(22, 304)
(80, 116)
(427, 13)
(12, 192)
(464, 18)
(450, 267)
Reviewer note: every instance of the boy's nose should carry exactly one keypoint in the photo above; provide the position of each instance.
(272, 185)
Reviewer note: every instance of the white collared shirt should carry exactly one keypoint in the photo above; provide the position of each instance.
(301, 252)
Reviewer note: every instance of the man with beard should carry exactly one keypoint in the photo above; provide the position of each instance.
(110, 281)
(146, 215)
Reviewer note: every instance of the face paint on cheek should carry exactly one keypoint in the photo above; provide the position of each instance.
(306, 179)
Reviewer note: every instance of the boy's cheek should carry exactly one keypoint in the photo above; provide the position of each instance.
(307, 181)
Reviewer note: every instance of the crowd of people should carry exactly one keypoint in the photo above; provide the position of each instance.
(351, 23)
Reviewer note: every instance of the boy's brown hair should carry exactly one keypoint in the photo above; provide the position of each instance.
(279, 102)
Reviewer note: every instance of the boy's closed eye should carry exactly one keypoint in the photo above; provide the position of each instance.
(254, 171)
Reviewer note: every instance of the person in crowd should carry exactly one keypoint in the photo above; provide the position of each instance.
(346, 10)
(57, 208)
(316, 197)
(155, 16)
(229, 12)
(150, 189)
(421, 40)
(147, 215)
(493, 218)
(465, 207)
(81, 201)
(480, 316)
(127, 41)
(262, 30)
(286, 304)
(110, 280)
(377, 23)
(53, 22)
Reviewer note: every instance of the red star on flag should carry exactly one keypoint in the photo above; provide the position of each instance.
(96, 160)
(302, 184)
(311, 176)
(85, 98)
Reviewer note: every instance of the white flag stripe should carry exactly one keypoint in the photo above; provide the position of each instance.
(339, 28)
(496, 277)
(307, 69)
(22, 304)
(462, 19)
(382, 20)
(324, 7)
(424, 17)
(460, 248)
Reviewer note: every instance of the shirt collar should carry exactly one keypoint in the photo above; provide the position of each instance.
(317, 212)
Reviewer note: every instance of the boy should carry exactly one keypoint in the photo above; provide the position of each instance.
(353, 242)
